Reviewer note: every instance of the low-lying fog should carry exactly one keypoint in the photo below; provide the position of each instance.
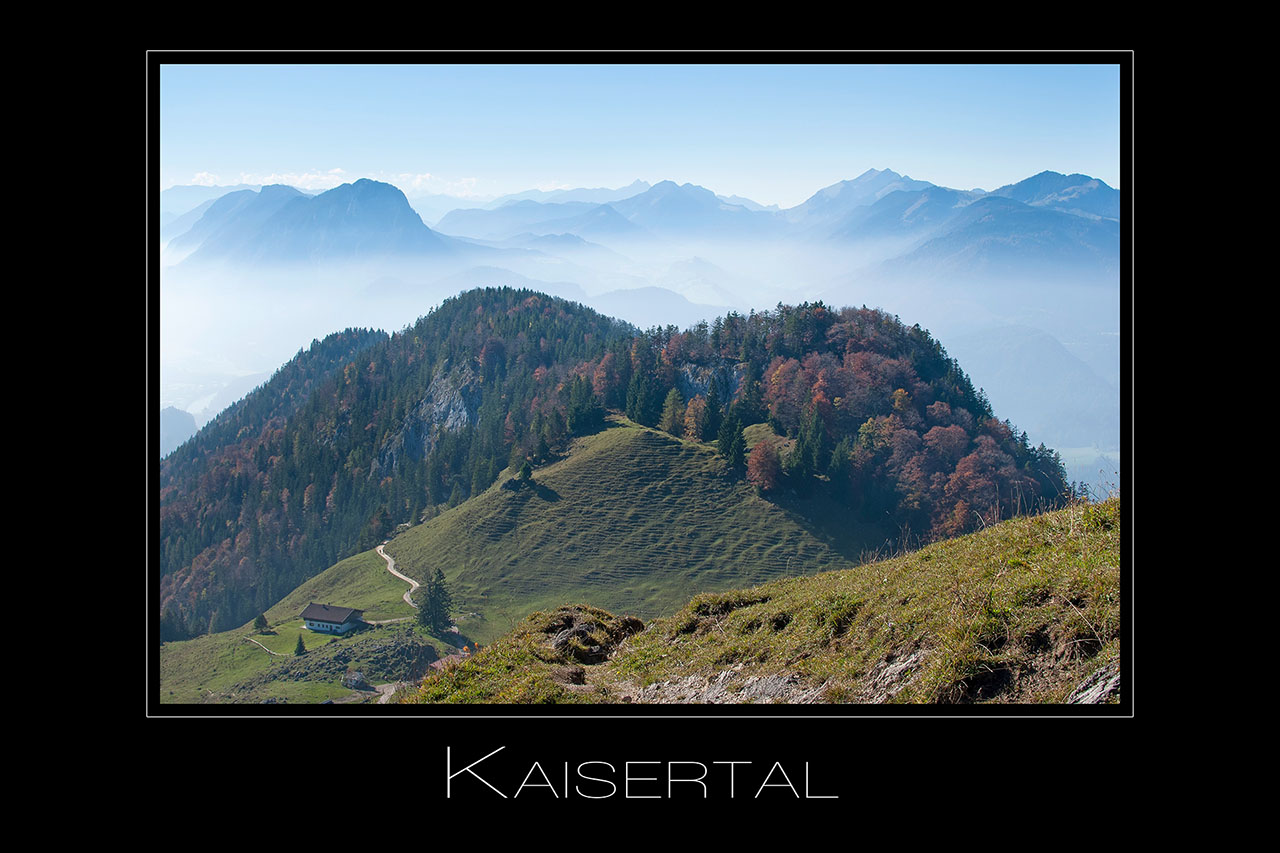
(1046, 351)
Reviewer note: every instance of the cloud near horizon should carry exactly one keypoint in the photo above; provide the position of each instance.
(424, 183)
(304, 181)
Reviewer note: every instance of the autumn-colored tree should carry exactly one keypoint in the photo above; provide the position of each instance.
(764, 469)
(606, 382)
(959, 520)
(786, 390)
(939, 413)
(695, 419)
(983, 479)
(947, 444)
(820, 399)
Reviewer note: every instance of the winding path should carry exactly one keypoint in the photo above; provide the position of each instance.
(252, 640)
(391, 567)
(387, 690)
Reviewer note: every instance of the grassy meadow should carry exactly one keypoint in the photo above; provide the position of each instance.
(633, 521)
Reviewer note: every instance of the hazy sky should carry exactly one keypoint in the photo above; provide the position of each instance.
(773, 133)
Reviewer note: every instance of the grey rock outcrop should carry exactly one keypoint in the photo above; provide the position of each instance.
(694, 380)
(355, 680)
(450, 404)
(729, 687)
(1099, 687)
(889, 676)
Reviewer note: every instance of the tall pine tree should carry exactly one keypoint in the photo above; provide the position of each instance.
(435, 605)
(672, 419)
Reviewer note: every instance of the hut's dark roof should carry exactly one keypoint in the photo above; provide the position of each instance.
(329, 613)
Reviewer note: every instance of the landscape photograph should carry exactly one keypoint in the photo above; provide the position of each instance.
(583, 384)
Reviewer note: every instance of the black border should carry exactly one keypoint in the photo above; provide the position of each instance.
(590, 721)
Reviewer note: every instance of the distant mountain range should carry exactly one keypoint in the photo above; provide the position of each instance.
(680, 253)
(834, 203)
(180, 199)
(511, 219)
(1077, 194)
(599, 195)
(1069, 222)
(234, 219)
(176, 426)
(357, 221)
(1001, 238)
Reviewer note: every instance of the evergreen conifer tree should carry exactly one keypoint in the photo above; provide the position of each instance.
(672, 419)
(435, 604)
(424, 596)
(724, 437)
(737, 456)
(715, 414)
(441, 604)
(585, 412)
(732, 444)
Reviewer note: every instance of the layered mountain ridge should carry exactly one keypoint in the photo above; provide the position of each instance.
(867, 419)
(369, 218)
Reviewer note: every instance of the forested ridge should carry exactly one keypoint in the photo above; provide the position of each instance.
(364, 431)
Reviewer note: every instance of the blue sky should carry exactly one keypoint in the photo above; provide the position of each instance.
(775, 133)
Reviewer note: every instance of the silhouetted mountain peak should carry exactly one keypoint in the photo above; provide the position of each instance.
(1074, 193)
(279, 190)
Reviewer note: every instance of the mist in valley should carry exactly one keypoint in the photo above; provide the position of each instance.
(1043, 341)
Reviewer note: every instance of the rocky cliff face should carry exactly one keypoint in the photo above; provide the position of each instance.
(450, 404)
(693, 380)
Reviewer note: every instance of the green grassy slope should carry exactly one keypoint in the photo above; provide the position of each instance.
(361, 581)
(632, 520)
(1023, 612)
(217, 667)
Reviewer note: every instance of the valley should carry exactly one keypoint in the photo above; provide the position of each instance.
(540, 454)
(279, 268)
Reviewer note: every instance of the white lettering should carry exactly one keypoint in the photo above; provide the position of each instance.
(546, 782)
(671, 778)
(596, 779)
(731, 763)
(630, 779)
(808, 796)
(448, 779)
(777, 765)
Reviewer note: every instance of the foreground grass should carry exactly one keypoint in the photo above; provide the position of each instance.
(1022, 612)
(541, 662)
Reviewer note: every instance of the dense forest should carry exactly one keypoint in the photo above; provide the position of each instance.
(364, 432)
